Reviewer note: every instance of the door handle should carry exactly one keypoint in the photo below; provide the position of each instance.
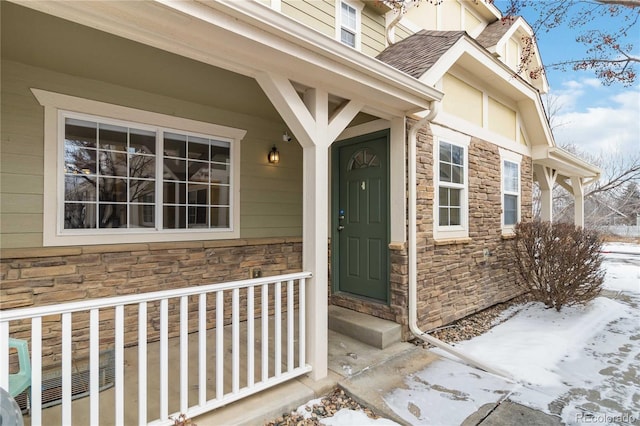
(340, 228)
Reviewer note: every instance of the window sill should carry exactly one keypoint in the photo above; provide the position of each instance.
(508, 236)
(452, 241)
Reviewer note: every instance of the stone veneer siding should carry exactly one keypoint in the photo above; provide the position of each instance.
(45, 276)
(454, 280)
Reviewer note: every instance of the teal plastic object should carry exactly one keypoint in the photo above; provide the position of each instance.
(21, 380)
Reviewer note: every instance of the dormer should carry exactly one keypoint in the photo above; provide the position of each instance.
(507, 39)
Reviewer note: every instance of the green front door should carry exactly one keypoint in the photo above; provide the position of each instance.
(361, 226)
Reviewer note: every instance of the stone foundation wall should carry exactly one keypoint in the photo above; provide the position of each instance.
(45, 276)
(454, 277)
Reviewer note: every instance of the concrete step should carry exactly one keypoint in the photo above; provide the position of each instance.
(373, 331)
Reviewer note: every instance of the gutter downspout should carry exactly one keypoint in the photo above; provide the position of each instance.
(413, 256)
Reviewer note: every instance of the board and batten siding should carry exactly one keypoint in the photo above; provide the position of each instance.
(270, 196)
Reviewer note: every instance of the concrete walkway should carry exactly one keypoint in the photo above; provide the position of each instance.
(366, 374)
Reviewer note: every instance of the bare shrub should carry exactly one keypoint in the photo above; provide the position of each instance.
(558, 263)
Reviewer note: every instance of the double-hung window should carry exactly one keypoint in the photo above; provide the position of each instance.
(348, 23)
(451, 188)
(451, 198)
(124, 175)
(510, 190)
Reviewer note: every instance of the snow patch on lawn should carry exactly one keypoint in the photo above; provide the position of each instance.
(532, 343)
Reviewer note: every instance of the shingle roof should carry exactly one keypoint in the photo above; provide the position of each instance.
(492, 34)
(417, 53)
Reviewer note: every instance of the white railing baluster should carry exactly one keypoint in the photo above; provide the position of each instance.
(302, 327)
(119, 347)
(36, 371)
(250, 337)
(94, 366)
(66, 368)
(290, 332)
(277, 324)
(265, 332)
(202, 349)
(164, 359)
(219, 344)
(142, 363)
(235, 334)
(148, 316)
(184, 354)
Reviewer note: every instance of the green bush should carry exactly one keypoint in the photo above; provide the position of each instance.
(558, 263)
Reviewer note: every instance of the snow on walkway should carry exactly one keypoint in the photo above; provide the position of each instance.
(581, 362)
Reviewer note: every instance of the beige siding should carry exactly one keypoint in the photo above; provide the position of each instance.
(471, 23)
(318, 14)
(424, 16)
(373, 38)
(502, 119)
(270, 196)
(402, 32)
(523, 140)
(512, 54)
(450, 16)
(462, 100)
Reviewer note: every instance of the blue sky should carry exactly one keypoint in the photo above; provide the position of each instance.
(594, 117)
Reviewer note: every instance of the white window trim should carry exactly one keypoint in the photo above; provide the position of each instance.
(442, 134)
(54, 103)
(358, 6)
(511, 157)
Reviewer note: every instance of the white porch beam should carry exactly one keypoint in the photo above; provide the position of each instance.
(293, 111)
(546, 178)
(342, 117)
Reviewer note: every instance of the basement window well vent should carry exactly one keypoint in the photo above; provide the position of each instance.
(80, 381)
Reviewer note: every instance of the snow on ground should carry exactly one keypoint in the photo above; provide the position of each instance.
(581, 364)
(622, 264)
(583, 361)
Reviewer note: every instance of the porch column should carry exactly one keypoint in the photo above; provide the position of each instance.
(546, 179)
(309, 121)
(578, 201)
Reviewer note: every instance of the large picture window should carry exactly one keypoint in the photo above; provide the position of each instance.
(115, 174)
(119, 175)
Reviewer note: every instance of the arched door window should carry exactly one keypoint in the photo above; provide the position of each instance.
(362, 159)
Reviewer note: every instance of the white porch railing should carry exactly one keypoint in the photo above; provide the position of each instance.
(238, 370)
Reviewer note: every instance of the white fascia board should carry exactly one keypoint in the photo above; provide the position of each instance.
(564, 162)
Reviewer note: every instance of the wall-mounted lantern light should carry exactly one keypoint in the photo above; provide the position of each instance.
(274, 155)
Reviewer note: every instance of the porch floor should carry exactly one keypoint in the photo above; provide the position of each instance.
(347, 358)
